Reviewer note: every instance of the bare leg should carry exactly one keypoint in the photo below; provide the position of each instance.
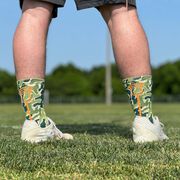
(132, 56)
(129, 40)
(131, 52)
(29, 56)
(30, 39)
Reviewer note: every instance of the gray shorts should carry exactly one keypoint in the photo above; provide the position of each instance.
(83, 4)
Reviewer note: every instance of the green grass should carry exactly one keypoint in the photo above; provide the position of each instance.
(102, 147)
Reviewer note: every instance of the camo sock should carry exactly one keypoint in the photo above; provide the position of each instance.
(139, 90)
(31, 92)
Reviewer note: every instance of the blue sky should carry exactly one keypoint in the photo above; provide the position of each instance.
(79, 36)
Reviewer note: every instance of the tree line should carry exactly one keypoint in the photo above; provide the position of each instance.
(69, 81)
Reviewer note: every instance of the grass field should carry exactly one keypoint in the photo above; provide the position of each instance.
(102, 147)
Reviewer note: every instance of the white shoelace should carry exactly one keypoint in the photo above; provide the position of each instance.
(59, 133)
(161, 124)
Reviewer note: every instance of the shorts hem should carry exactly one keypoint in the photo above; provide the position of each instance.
(96, 4)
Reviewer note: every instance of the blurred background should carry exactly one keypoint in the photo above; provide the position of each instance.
(79, 56)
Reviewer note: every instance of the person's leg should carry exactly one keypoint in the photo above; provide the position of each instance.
(30, 39)
(30, 57)
(131, 53)
(129, 40)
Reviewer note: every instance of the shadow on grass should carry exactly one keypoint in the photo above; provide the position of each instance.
(97, 129)
(25, 157)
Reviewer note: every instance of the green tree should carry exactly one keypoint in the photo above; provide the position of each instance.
(7, 84)
(166, 79)
(68, 81)
(97, 81)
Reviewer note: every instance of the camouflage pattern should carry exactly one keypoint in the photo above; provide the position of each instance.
(31, 92)
(139, 90)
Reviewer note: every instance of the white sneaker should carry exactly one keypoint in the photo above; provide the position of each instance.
(33, 133)
(145, 131)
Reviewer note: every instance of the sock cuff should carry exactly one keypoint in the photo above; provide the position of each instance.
(137, 78)
(29, 82)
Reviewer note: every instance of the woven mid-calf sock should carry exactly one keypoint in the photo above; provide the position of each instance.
(31, 92)
(139, 90)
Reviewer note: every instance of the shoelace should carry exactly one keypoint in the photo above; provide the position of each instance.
(59, 133)
(163, 135)
(161, 124)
